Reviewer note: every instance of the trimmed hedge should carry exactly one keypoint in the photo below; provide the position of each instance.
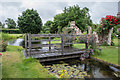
(11, 31)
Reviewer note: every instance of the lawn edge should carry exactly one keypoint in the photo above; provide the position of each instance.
(105, 62)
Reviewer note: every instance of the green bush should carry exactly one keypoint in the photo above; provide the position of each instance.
(30, 22)
(3, 46)
(5, 36)
(11, 31)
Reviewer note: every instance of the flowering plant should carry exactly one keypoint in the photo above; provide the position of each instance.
(3, 46)
(107, 23)
(0, 54)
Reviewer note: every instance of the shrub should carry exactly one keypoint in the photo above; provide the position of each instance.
(3, 46)
(11, 31)
(30, 22)
(5, 36)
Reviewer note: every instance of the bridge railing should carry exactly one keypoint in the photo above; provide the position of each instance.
(33, 46)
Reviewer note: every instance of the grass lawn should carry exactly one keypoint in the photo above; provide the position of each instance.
(80, 46)
(16, 35)
(116, 42)
(6, 36)
(15, 66)
(109, 54)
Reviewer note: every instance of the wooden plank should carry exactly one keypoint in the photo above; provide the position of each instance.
(59, 58)
(55, 40)
(45, 35)
(75, 52)
(29, 39)
(35, 40)
(66, 35)
(44, 45)
(73, 43)
(49, 43)
(26, 43)
(62, 44)
(51, 35)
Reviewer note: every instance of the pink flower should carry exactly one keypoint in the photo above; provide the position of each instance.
(0, 54)
(87, 41)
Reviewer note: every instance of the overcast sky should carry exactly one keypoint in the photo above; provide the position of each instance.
(48, 9)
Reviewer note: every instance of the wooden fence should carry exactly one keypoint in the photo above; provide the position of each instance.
(31, 48)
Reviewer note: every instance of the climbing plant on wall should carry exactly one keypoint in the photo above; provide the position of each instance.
(105, 25)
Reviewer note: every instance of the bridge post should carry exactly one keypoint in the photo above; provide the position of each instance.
(62, 44)
(49, 42)
(29, 42)
(86, 44)
(26, 43)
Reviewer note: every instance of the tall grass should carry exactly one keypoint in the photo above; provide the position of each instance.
(6, 36)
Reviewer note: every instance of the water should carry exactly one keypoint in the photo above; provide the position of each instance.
(16, 42)
(93, 68)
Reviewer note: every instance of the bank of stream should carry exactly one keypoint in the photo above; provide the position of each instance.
(75, 68)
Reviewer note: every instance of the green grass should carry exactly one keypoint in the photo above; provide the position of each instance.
(109, 54)
(56, 41)
(116, 42)
(80, 46)
(15, 66)
(9, 29)
(6, 36)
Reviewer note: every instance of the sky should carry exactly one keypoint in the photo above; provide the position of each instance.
(47, 9)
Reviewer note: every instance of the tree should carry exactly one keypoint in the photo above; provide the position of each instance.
(30, 22)
(2, 25)
(74, 13)
(54, 27)
(10, 23)
(47, 27)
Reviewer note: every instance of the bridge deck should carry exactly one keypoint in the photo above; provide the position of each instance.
(54, 56)
(46, 50)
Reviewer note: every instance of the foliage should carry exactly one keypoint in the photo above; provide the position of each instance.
(64, 70)
(73, 13)
(30, 22)
(107, 23)
(11, 31)
(1, 24)
(54, 27)
(10, 23)
(47, 26)
(91, 43)
(3, 45)
(16, 66)
(5, 36)
(63, 74)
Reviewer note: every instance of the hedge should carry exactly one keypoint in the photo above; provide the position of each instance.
(11, 31)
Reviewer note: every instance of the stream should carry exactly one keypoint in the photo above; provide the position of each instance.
(93, 68)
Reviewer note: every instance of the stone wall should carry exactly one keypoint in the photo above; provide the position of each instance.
(73, 26)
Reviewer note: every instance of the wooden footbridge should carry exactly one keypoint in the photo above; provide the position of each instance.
(41, 46)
